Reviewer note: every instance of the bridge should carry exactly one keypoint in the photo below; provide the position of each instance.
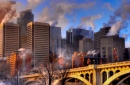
(103, 74)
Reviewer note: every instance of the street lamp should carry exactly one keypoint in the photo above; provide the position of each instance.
(17, 53)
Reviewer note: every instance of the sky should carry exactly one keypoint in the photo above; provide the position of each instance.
(86, 14)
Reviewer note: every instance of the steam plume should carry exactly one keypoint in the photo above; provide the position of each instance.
(33, 3)
(108, 6)
(127, 44)
(55, 14)
(116, 27)
(89, 21)
(122, 13)
(7, 10)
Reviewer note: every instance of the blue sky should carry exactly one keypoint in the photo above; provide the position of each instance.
(80, 13)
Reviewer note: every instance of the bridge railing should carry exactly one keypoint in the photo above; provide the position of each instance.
(89, 67)
(116, 64)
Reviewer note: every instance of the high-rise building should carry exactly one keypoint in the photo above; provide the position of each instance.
(38, 41)
(55, 38)
(127, 54)
(24, 18)
(86, 45)
(63, 43)
(98, 35)
(9, 38)
(112, 48)
(74, 35)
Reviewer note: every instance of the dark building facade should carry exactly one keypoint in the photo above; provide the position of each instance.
(85, 45)
(55, 38)
(112, 48)
(63, 43)
(98, 35)
(127, 54)
(73, 36)
(24, 18)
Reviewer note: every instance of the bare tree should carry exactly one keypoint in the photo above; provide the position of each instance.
(4, 71)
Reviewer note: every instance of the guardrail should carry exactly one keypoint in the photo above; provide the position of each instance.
(124, 63)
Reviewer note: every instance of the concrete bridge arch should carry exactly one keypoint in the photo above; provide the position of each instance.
(32, 80)
(79, 78)
(112, 78)
(120, 82)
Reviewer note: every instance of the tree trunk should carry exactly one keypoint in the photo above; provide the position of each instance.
(49, 80)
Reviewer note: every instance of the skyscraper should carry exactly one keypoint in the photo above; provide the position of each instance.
(25, 17)
(98, 35)
(55, 38)
(38, 41)
(112, 48)
(63, 43)
(74, 35)
(9, 38)
(86, 45)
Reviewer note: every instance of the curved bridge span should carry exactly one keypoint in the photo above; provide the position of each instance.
(104, 74)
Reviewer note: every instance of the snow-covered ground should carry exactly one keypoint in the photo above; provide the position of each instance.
(5, 83)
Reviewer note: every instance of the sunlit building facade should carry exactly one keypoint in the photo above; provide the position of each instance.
(9, 38)
(38, 41)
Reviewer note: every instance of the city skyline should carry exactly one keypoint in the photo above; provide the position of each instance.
(81, 13)
(56, 42)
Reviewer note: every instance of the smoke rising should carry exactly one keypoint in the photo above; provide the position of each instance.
(108, 6)
(33, 3)
(7, 9)
(89, 21)
(116, 27)
(55, 14)
(10, 9)
(127, 44)
(122, 14)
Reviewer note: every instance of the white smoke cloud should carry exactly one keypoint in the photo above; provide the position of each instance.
(116, 27)
(125, 36)
(7, 10)
(108, 6)
(89, 21)
(123, 12)
(56, 13)
(127, 44)
(33, 3)
(10, 9)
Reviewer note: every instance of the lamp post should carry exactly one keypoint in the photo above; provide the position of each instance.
(17, 72)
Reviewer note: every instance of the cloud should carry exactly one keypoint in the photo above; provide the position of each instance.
(127, 44)
(108, 6)
(89, 21)
(119, 19)
(56, 13)
(125, 36)
(123, 13)
(33, 3)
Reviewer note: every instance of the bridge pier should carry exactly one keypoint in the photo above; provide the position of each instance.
(96, 77)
